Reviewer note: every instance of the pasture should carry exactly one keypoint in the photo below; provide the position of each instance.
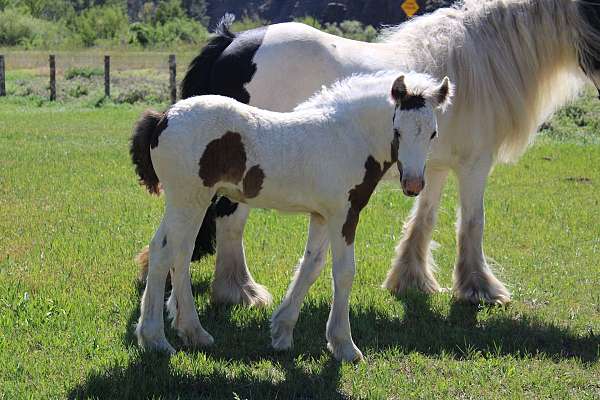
(72, 217)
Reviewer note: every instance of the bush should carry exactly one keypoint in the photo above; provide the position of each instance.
(350, 29)
(83, 72)
(247, 23)
(106, 22)
(19, 28)
(183, 30)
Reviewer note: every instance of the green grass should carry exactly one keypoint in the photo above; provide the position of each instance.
(72, 217)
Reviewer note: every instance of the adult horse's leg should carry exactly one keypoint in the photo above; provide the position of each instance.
(285, 317)
(233, 282)
(414, 266)
(474, 281)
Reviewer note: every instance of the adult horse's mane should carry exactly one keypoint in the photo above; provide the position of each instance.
(512, 60)
(365, 87)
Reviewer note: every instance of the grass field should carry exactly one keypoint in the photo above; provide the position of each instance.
(72, 217)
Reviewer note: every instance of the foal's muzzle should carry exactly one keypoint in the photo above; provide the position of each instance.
(412, 187)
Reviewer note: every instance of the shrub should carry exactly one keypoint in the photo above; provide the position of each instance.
(350, 29)
(19, 28)
(247, 23)
(83, 72)
(106, 22)
(183, 30)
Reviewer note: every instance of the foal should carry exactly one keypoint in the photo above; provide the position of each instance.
(325, 159)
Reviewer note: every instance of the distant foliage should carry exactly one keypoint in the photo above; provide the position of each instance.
(83, 72)
(248, 23)
(108, 23)
(20, 29)
(349, 29)
(87, 23)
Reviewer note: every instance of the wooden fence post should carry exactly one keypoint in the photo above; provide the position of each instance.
(2, 79)
(173, 78)
(107, 76)
(52, 77)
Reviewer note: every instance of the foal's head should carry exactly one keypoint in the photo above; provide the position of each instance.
(415, 126)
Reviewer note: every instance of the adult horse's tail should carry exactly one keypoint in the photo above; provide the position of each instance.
(196, 82)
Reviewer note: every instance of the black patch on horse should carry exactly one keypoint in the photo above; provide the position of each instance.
(196, 81)
(223, 67)
(412, 102)
(235, 67)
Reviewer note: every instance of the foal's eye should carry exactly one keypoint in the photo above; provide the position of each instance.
(433, 135)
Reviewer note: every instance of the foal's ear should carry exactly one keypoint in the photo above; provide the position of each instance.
(443, 94)
(399, 90)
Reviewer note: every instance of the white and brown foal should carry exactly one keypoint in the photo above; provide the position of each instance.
(325, 158)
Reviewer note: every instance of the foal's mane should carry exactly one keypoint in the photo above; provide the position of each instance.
(359, 88)
(513, 61)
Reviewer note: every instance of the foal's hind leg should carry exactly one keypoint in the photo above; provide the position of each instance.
(285, 317)
(474, 281)
(150, 327)
(233, 282)
(414, 266)
(181, 302)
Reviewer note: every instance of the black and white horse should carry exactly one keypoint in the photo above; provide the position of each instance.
(513, 61)
(325, 158)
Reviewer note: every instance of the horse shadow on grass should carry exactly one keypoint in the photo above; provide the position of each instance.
(420, 329)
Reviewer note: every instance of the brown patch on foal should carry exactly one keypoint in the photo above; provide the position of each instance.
(253, 181)
(223, 160)
(359, 196)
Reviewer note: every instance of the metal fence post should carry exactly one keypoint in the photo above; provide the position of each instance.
(173, 78)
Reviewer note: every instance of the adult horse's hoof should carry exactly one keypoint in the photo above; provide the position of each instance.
(479, 286)
(406, 275)
(228, 290)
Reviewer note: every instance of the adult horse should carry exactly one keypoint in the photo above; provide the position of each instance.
(513, 61)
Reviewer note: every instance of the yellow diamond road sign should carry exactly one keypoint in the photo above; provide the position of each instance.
(410, 7)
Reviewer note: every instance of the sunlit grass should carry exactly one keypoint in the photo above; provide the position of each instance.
(72, 217)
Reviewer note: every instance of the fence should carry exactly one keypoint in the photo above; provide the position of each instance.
(52, 67)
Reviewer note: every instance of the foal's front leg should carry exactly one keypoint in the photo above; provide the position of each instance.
(474, 281)
(310, 267)
(338, 333)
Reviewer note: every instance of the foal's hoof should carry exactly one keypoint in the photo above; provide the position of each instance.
(281, 335)
(346, 352)
(197, 337)
(161, 345)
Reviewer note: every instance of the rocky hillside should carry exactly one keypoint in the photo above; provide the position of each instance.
(372, 12)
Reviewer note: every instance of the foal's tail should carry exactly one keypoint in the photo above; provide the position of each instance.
(145, 137)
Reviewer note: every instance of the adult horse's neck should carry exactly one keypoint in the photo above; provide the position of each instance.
(513, 61)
